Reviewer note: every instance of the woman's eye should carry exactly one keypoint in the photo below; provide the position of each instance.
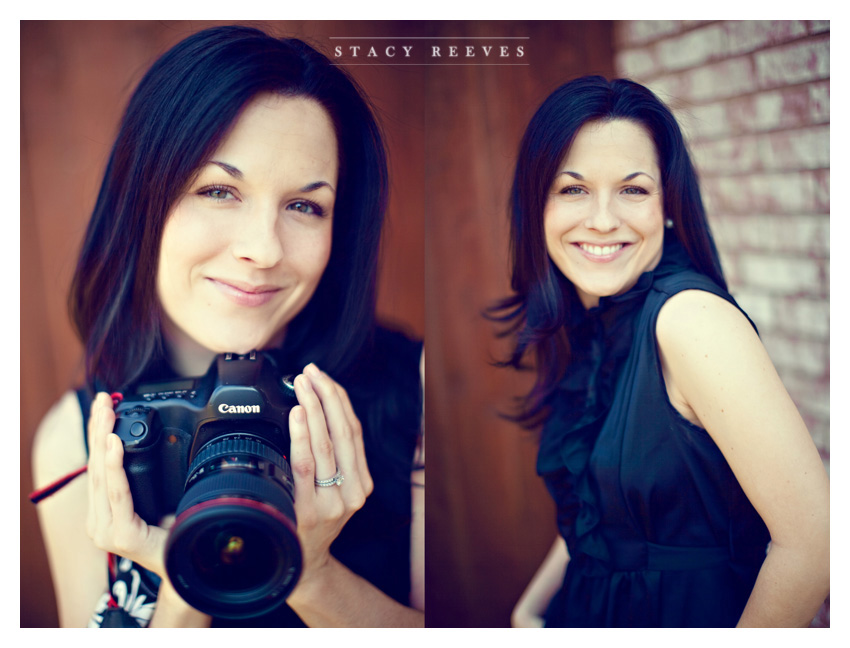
(572, 190)
(635, 191)
(216, 193)
(306, 207)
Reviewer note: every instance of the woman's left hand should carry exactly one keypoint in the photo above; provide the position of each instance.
(326, 436)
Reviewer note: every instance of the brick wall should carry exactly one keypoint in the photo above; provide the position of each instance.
(753, 100)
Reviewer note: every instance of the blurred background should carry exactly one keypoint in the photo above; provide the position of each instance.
(753, 100)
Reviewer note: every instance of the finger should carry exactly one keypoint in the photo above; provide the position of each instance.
(357, 440)
(346, 435)
(320, 441)
(117, 486)
(90, 517)
(301, 457)
(339, 424)
(361, 467)
(100, 424)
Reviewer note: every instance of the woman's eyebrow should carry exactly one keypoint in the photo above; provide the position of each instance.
(236, 173)
(313, 186)
(632, 176)
(231, 170)
(574, 174)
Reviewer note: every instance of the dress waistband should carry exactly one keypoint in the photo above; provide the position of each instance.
(635, 555)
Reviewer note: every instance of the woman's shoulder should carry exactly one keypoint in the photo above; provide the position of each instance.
(699, 335)
(58, 446)
(714, 311)
(695, 313)
(691, 296)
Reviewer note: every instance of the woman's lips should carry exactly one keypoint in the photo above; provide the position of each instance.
(245, 294)
(601, 253)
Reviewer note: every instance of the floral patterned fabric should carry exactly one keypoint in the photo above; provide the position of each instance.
(131, 598)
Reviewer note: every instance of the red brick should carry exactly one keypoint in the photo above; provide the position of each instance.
(728, 155)
(729, 263)
(636, 64)
(639, 32)
(818, 102)
(758, 306)
(821, 177)
(719, 80)
(745, 36)
(781, 275)
(796, 149)
(726, 229)
(777, 193)
(805, 317)
(706, 121)
(692, 48)
(818, 26)
(781, 108)
(790, 64)
(784, 193)
(776, 234)
(794, 355)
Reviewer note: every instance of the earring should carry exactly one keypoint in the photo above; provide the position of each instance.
(668, 223)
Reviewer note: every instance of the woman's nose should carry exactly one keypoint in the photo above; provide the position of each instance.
(257, 238)
(602, 217)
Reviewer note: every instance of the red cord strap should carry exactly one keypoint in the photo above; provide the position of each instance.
(37, 496)
(47, 491)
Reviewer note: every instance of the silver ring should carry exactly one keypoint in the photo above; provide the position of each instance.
(336, 480)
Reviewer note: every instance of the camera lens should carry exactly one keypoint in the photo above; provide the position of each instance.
(233, 551)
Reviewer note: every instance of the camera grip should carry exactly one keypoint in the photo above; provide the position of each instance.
(140, 437)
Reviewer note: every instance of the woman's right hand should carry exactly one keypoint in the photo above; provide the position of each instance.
(112, 522)
(523, 618)
(529, 610)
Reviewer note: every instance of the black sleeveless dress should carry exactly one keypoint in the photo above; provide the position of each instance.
(386, 394)
(659, 532)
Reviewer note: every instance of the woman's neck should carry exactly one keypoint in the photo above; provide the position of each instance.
(186, 357)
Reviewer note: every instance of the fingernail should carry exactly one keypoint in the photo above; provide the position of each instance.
(312, 369)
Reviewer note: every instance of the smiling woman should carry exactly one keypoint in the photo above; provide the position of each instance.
(236, 216)
(672, 450)
(603, 220)
(260, 219)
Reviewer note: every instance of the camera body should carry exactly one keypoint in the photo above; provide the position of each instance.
(213, 450)
(164, 426)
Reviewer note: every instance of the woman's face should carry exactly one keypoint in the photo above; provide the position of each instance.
(245, 246)
(604, 218)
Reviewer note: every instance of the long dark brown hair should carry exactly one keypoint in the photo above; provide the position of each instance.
(535, 314)
(176, 118)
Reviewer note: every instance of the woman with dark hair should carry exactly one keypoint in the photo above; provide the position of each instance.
(669, 444)
(241, 210)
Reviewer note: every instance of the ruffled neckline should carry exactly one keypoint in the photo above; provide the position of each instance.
(600, 339)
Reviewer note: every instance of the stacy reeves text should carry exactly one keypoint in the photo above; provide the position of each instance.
(408, 53)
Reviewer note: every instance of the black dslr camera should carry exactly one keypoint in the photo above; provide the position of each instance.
(213, 450)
